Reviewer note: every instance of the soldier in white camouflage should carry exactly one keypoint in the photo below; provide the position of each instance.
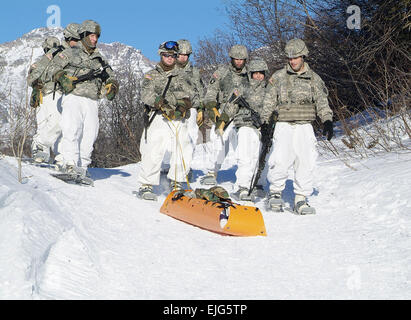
(196, 85)
(193, 77)
(168, 98)
(47, 99)
(298, 95)
(46, 110)
(84, 76)
(245, 115)
(226, 81)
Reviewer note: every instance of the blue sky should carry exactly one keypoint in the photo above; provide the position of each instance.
(141, 24)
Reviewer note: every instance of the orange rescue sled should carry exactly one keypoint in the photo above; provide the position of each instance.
(242, 220)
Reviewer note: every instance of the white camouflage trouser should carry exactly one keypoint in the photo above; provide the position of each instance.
(219, 147)
(192, 126)
(193, 132)
(247, 153)
(294, 145)
(165, 136)
(79, 124)
(48, 116)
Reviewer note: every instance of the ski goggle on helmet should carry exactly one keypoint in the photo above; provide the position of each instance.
(171, 45)
(168, 47)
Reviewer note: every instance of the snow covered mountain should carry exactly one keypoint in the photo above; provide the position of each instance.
(17, 56)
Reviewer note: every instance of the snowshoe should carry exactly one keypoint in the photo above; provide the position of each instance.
(209, 179)
(275, 202)
(175, 185)
(75, 175)
(35, 163)
(301, 206)
(59, 167)
(242, 195)
(146, 193)
(74, 179)
(39, 154)
(259, 192)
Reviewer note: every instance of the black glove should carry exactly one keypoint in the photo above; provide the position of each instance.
(328, 129)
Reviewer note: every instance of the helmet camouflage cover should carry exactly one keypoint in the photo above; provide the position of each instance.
(184, 47)
(71, 31)
(238, 51)
(257, 65)
(214, 194)
(50, 42)
(295, 48)
(89, 26)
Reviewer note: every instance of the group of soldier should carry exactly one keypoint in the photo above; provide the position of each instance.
(240, 104)
(67, 81)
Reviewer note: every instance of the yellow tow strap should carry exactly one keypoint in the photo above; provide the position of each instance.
(182, 156)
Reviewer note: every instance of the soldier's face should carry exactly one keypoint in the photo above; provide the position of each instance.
(296, 63)
(239, 63)
(93, 38)
(258, 76)
(182, 58)
(168, 59)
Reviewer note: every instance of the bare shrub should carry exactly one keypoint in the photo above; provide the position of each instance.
(121, 125)
(366, 70)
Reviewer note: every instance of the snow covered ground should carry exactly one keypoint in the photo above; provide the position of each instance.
(60, 241)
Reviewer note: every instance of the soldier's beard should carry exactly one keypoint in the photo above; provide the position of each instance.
(166, 67)
(297, 66)
(238, 69)
(182, 64)
(87, 44)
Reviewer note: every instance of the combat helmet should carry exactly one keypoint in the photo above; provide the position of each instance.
(238, 51)
(170, 47)
(215, 194)
(295, 48)
(88, 27)
(50, 42)
(71, 32)
(184, 47)
(257, 65)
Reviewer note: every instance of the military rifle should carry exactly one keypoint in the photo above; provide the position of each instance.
(265, 149)
(147, 120)
(92, 74)
(239, 99)
(255, 117)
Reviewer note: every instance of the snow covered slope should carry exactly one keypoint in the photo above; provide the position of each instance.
(60, 241)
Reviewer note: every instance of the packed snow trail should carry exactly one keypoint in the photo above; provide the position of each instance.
(61, 241)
